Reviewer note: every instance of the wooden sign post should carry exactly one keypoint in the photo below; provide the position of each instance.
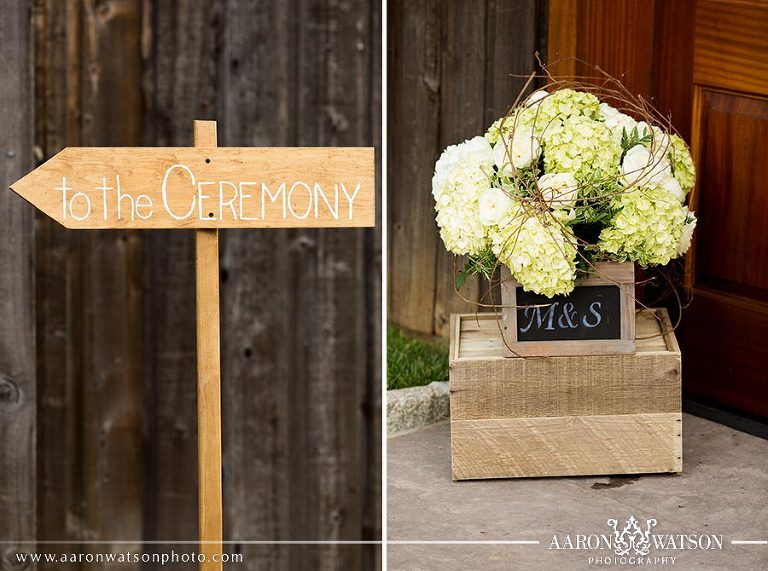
(206, 188)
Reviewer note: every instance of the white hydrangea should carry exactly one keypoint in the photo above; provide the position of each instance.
(462, 174)
(555, 167)
(560, 190)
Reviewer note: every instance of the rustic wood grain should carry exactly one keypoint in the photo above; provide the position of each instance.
(180, 43)
(18, 396)
(569, 415)
(372, 402)
(450, 76)
(255, 69)
(110, 281)
(646, 382)
(299, 444)
(462, 99)
(255, 103)
(414, 114)
(57, 378)
(480, 334)
(330, 275)
(566, 446)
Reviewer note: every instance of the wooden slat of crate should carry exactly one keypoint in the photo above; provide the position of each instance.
(566, 446)
(567, 415)
(480, 334)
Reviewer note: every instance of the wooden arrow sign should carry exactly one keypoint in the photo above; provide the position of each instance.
(205, 187)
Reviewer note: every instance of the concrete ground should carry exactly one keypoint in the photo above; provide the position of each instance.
(723, 490)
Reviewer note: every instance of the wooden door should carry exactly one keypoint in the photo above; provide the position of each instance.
(724, 333)
(705, 62)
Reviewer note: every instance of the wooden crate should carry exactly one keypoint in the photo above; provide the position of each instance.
(564, 416)
(618, 277)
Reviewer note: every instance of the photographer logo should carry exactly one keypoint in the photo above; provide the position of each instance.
(632, 543)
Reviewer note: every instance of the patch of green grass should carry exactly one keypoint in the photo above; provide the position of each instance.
(413, 361)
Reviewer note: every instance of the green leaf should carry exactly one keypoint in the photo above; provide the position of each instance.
(460, 280)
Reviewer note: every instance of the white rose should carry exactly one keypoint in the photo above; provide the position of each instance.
(687, 235)
(617, 121)
(535, 97)
(478, 150)
(494, 206)
(640, 166)
(525, 149)
(674, 189)
(560, 190)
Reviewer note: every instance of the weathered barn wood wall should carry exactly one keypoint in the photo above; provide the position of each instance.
(449, 79)
(115, 331)
(17, 318)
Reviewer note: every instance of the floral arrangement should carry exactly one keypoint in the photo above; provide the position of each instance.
(561, 182)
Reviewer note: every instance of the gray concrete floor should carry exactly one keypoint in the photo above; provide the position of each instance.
(722, 490)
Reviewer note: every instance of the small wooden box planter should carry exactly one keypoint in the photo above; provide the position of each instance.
(563, 416)
(597, 318)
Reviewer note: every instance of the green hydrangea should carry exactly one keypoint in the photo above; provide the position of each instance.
(682, 163)
(581, 146)
(538, 250)
(646, 228)
(554, 108)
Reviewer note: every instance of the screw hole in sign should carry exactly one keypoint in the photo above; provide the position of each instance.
(210, 215)
(207, 161)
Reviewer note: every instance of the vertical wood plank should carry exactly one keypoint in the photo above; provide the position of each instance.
(208, 377)
(508, 54)
(181, 44)
(450, 77)
(333, 110)
(258, 85)
(462, 99)
(18, 514)
(673, 61)
(108, 289)
(414, 96)
(298, 366)
(509, 58)
(56, 93)
(372, 401)
(618, 39)
(563, 34)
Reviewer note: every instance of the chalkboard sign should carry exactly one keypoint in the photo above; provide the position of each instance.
(589, 312)
(596, 318)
